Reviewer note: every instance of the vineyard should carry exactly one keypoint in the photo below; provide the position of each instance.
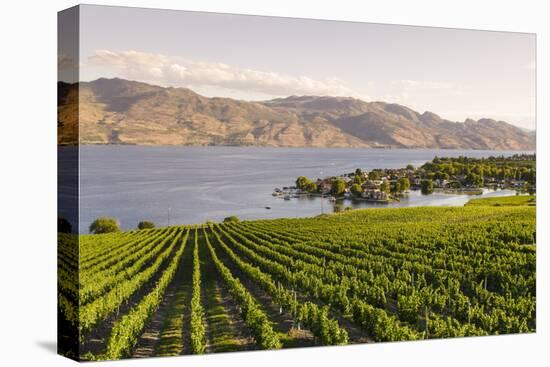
(359, 276)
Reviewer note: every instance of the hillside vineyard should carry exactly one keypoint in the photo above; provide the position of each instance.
(416, 273)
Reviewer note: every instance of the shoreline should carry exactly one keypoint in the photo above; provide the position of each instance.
(330, 213)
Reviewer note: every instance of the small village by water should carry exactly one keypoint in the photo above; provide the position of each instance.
(450, 176)
(192, 185)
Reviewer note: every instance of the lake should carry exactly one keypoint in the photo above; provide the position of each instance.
(188, 185)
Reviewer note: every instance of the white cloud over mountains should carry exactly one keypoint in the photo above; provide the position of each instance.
(217, 79)
(181, 72)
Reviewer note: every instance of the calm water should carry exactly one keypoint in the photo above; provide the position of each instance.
(193, 184)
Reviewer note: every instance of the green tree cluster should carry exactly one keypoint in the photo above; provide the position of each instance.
(145, 224)
(104, 225)
(338, 187)
(305, 184)
(426, 187)
(356, 190)
(231, 219)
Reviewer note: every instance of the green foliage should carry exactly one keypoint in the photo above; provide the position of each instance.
(301, 182)
(521, 200)
(397, 274)
(404, 183)
(126, 331)
(408, 307)
(474, 180)
(104, 225)
(305, 184)
(441, 175)
(396, 187)
(198, 339)
(374, 175)
(476, 170)
(338, 187)
(310, 187)
(103, 291)
(356, 190)
(231, 219)
(385, 186)
(253, 315)
(427, 187)
(146, 224)
(312, 317)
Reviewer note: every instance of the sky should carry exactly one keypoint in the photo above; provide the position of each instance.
(457, 74)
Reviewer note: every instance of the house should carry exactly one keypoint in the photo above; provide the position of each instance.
(371, 185)
(374, 195)
(325, 186)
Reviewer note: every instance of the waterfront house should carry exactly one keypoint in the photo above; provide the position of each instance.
(371, 185)
(374, 195)
(325, 186)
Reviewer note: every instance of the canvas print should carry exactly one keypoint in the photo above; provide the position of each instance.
(233, 183)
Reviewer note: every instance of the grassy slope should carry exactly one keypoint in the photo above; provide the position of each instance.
(523, 200)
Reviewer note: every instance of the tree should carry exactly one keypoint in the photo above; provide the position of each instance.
(231, 219)
(396, 187)
(63, 225)
(384, 186)
(530, 189)
(410, 167)
(374, 175)
(359, 179)
(302, 182)
(356, 190)
(405, 183)
(146, 224)
(338, 187)
(104, 225)
(474, 180)
(305, 184)
(427, 186)
(310, 187)
(442, 175)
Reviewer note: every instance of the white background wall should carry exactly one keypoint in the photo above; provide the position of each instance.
(28, 182)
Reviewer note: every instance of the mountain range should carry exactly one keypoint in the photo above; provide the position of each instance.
(118, 111)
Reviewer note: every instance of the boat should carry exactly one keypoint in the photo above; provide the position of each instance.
(268, 207)
(287, 197)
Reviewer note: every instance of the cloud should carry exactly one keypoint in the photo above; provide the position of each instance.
(181, 72)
